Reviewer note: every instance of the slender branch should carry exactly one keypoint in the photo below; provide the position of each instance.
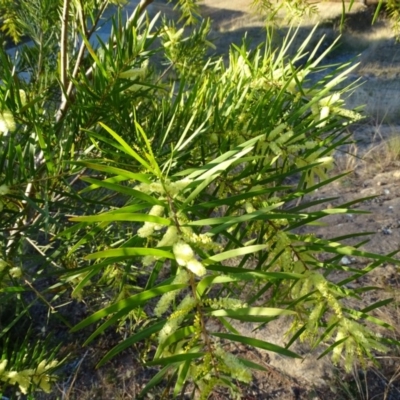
(64, 103)
(42, 253)
(64, 48)
(82, 18)
(67, 395)
(142, 6)
(53, 310)
(204, 332)
(40, 60)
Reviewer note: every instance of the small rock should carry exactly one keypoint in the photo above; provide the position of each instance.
(386, 231)
(368, 191)
(345, 261)
(386, 192)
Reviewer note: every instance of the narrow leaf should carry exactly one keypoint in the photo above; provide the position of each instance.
(251, 364)
(235, 253)
(127, 149)
(257, 343)
(142, 334)
(130, 252)
(175, 359)
(120, 216)
(128, 304)
(253, 314)
(155, 381)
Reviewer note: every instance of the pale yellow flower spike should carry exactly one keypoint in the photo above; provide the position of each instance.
(15, 272)
(183, 253)
(196, 267)
(7, 122)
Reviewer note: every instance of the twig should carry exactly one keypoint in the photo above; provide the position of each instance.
(38, 294)
(40, 59)
(75, 375)
(40, 251)
(82, 17)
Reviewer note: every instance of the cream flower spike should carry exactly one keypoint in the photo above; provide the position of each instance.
(7, 123)
(196, 267)
(183, 253)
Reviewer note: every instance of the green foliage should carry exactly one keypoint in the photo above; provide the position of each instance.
(30, 369)
(171, 198)
(25, 364)
(35, 19)
(292, 8)
(10, 21)
(222, 179)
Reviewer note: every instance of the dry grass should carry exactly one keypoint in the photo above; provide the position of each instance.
(346, 161)
(383, 156)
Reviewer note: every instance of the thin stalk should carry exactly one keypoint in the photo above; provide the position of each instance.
(204, 332)
(64, 49)
(53, 310)
(40, 60)
(142, 6)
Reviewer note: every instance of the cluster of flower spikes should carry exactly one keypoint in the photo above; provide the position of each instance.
(227, 364)
(356, 339)
(180, 239)
(27, 377)
(353, 340)
(177, 237)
